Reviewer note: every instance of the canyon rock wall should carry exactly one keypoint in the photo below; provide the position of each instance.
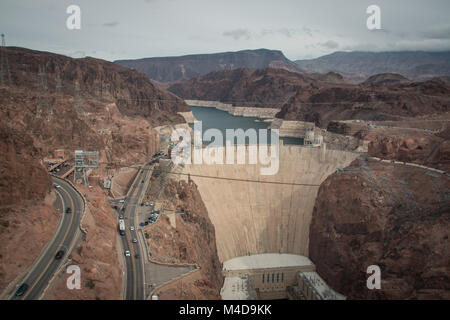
(192, 241)
(27, 217)
(266, 88)
(396, 217)
(114, 112)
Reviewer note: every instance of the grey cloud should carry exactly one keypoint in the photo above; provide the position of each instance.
(238, 34)
(437, 32)
(330, 44)
(307, 30)
(287, 32)
(111, 24)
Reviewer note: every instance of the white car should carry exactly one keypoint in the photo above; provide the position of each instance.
(57, 186)
(132, 228)
(127, 253)
(134, 240)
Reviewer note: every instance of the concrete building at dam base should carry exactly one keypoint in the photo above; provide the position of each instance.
(272, 276)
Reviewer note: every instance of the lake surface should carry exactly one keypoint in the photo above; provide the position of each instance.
(213, 118)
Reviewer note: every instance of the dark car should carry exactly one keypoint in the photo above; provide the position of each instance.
(142, 181)
(136, 256)
(68, 210)
(22, 289)
(59, 254)
(146, 222)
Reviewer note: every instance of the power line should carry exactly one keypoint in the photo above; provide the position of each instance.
(217, 177)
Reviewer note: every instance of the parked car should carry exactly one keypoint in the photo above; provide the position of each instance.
(127, 253)
(59, 254)
(142, 224)
(22, 289)
(146, 222)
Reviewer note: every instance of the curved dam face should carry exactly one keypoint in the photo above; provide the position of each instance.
(269, 214)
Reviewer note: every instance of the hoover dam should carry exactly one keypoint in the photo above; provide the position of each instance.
(256, 214)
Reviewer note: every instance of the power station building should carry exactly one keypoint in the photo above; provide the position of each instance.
(274, 276)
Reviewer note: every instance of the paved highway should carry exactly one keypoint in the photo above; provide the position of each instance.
(68, 231)
(135, 289)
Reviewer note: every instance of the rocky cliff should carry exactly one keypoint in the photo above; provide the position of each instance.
(133, 93)
(59, 103)
(269, 88)
(27, 218)
(175, 69)
(320, 98)
(393, 216)
(188, 238)
(321, 103)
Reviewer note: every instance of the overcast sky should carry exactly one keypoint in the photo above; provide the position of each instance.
(118, 29)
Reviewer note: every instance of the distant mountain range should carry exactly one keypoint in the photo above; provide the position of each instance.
(176, 69)
(355, 66)
(358, 65)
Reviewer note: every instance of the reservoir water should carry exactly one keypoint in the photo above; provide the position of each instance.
(213, 118)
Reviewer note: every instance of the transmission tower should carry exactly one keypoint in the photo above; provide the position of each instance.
(43, 96)
(77, 99)
(4, 64)
(83, 161)
(58, 86)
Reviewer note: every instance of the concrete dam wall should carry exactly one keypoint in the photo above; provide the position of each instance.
(269, 214)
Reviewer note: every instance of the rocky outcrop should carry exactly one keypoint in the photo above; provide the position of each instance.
(266, 88)
(393, 216)
(422, 148)
(27, 218)
(132, 91)
(385, 79)
(22, 177)
(323, 103)
(189, 238)
(175, 69)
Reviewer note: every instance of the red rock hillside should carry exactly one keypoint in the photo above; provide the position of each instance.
(396, 217)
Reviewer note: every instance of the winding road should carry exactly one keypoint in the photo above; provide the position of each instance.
(65, 238)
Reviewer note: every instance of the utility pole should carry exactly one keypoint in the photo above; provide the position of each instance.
(4, 64)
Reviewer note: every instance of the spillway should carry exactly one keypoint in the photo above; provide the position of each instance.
(259, 217)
